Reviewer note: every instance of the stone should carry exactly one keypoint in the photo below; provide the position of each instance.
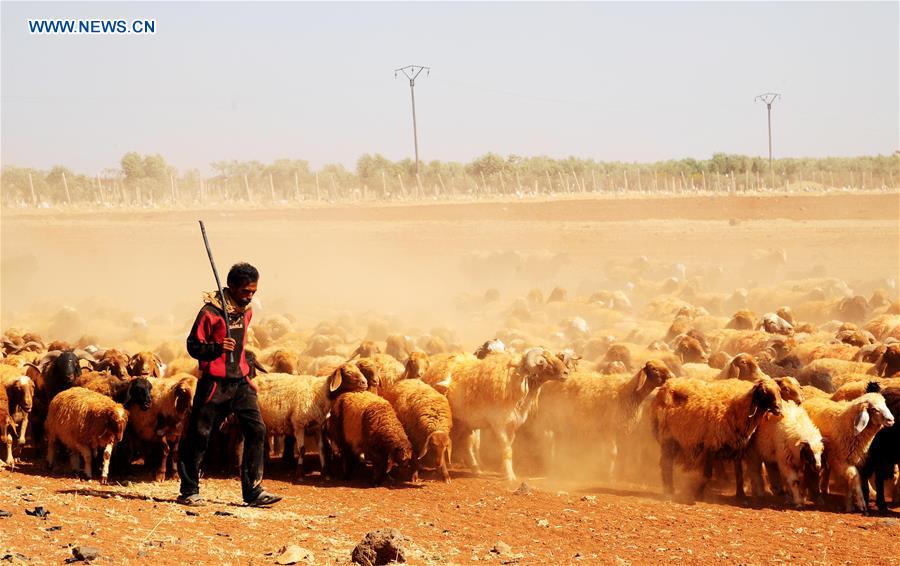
(293, 554)
(501, 548)
(523, 489)
(86, 553)
(381, 546)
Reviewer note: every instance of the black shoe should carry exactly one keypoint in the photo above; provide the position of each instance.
(264, 499)
(193, 500)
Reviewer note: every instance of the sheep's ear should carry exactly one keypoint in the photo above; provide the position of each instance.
(425, 446)
(132, 363)
(334, 382)
(641, 378)
(862, 419)
(182, 399)
(534, 358)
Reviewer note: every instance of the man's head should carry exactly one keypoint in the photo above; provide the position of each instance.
(242, 282)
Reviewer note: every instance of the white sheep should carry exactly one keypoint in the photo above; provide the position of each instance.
(497, 393)
(790, 447)
(290, 404)
(848, 428)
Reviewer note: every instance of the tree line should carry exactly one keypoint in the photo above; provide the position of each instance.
(143, 180)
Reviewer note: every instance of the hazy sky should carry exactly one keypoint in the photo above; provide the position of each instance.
(610, 81)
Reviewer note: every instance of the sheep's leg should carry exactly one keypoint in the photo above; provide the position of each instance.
(774, 475)
(444, 462)
(666, 465)
(739, 478)
(88, 460)
(299, 432)
(469, 451)
(160, 474)
(882, 473)
(506, 436)
(9, 444)
(754, 469)
(792, 480)
(107, 455)
(708, 466)
(854, 489)
(22, 428)
(51, 451)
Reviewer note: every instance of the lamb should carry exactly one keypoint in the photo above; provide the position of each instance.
(699, 422)
(291, 404)
(416, 366)
(160, 427)
(362, 423)
(601, 409)
(398, 346)
(20, 393)
(284, 361)
(366, 349)
(496, 392)
(774, 324)
(426, 419)
(114, 361)
(742, 320)
(85, 421)
(742, 367)
(848, 428)
(792, 445)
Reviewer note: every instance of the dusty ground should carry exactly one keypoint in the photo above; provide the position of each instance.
(319, 262)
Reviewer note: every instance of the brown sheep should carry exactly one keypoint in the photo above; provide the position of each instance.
(416, 366)
(114, 361)
(690, 350)
(20, 393)
(619, 353)
(742, 320)
(145, 364)
(426, 418)
(284, 361)
(362, 423)
(398, 346)
(160, 427)
(888, 365)
(699, 422)
(84, 421)
(366, 349)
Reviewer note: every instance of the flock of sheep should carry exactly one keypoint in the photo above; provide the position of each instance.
(796, 384)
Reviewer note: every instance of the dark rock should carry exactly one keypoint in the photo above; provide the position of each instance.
(501, 548)
(191, 513)
(382, 546)
(86, 553)
(38, 512)
(4, 514)
(523, 489)
(224, 514)
(53, 528)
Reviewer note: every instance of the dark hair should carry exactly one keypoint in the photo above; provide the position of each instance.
(240, 274)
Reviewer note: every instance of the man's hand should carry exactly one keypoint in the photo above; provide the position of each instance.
(228, 344)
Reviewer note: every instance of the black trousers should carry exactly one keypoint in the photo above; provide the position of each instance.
(214, 400)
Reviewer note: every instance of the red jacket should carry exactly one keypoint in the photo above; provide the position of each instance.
(205, 340)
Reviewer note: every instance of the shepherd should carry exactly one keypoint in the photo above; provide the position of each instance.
(217, 341)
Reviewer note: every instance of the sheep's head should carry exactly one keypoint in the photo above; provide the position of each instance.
(21, 393)
(765, 397)
(790, 389)
(652, 375)
(145, 364)
(138, 393)
(346, 377)
(811, 457)
(253, 363)
(370, 371)
(184, 395)
(742, 320)
(542, 365)
(416, 366)
(366, 349)
(719, 360)
(569, 358)
(690, 350)
(399, 456)
(113, 361)
(65, 367)
(117, 419)
(742, 367)
(873, 410)
(609, 368)
(889, 363)
(492, 346)
(619, 353)
(436, 444)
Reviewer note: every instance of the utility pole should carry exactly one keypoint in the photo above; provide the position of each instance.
(411, 72)
(769, 98)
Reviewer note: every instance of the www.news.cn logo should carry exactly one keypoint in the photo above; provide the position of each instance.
(92, 27)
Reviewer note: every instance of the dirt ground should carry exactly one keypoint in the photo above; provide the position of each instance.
(144, 271)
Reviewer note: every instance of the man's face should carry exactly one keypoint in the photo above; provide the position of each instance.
(244, 294)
